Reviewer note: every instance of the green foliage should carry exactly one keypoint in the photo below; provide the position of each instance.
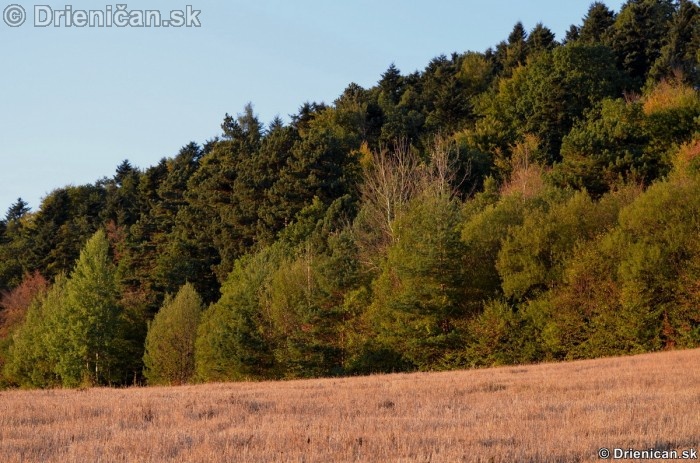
(672, 109)
(123, 204)
(475, 73)
(304, 322)
(638, 34)
(169, 356)
(512, 53)
(533, 256)
(281, 312)
(14, 306)
(446, 100)
(419, 305)
(72, 336)
(660, 229)
(596, 24)
(18, 210)
(15, 244)
(31, 361)
(547, 97)
(622, 141)
(540, 39)
(607, 149)
(68, 217)
(87, 325)
(232, 338)
(322, 163)
(483, 231)
(680, 51)
(629, 290)
(501, 335)
(536, 201)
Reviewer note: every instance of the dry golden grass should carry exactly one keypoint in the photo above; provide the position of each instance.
(539, 413)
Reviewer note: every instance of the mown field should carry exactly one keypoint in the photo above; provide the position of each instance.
(538, 413)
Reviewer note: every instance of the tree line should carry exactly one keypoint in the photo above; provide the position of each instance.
(537, 201)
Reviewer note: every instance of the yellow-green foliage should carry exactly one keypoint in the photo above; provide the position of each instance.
(632, 289)
(669, 96)
(672, 111)
(31, 360)
(169, 356)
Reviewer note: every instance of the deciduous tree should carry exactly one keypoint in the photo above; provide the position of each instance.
(169, 354)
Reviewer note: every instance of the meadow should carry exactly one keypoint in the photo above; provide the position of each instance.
(537, 413)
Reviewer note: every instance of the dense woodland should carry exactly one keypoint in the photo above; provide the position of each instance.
(538, 201)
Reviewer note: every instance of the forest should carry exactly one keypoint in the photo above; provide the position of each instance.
(537, 201)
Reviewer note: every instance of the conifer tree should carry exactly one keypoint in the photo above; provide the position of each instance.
(231, 342)
(596, 24)
(680, 51)
(638, 35)
(419, 303)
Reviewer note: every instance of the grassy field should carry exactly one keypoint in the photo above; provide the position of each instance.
(539, 413)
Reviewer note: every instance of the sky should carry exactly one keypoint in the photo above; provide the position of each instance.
(76, 101)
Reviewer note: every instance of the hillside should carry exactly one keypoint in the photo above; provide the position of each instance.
(554, 413)
(537, 201)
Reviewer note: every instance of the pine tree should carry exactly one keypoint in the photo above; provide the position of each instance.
(124, 170)
(231, 339)
(419, 302)
(390, 87)
(680, 52)
(513, 53)
(15, 245)
(596, 24)
(18, 210)
(638, 35)
(541, 38)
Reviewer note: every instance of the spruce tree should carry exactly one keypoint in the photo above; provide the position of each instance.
(419, 301)
(596, 24)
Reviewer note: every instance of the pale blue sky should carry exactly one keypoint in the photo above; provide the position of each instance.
(75, 102)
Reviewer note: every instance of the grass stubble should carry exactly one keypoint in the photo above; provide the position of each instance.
(536, 413)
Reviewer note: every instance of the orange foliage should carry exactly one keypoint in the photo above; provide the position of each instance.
(14, 304)
(688, 158)
(669, 95)
(527, 174)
